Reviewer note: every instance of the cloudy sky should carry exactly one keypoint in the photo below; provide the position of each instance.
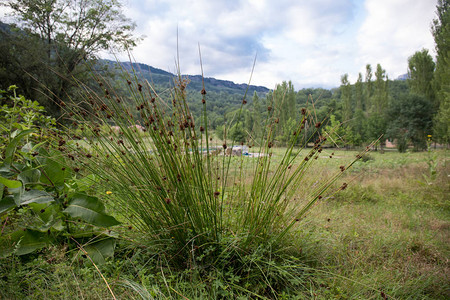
(311, 43)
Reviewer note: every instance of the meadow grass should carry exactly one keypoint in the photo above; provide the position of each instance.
(388, 231)
(386, 235)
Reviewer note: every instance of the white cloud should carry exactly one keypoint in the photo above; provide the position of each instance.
(393, 31)
(311, 43)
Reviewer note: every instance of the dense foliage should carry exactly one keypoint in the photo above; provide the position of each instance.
(48, 49)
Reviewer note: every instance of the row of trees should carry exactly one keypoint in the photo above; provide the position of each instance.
(407, 116)
(374, 106)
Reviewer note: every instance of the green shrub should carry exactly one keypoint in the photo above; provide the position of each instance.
(42, 201)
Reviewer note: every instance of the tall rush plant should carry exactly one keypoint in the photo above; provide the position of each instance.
(181, 196)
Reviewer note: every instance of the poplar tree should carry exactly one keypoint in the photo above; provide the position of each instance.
(376, 123)
(359, 93)
(420, 72)
(369, 83)
(359, 118)
(346, 98)
(285, 108)
(441, 80)
(380, 97)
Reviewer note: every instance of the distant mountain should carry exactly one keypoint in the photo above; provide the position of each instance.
(403, 77)
(161, 77)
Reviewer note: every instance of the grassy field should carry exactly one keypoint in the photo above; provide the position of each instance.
(387, 236)
(388, 231)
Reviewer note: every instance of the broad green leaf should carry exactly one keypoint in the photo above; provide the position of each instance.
(53, 168)
(44, 211)
(35, 196)
(11, 148)
(29, 176)
(29, 241)
(22, 242)
(12, 184)
(58, 225)
(7, 203)
(101, 250)
(90, 210)
(17, 194)
(2, 187)
(5, 171)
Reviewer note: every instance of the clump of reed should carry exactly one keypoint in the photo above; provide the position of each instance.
(169, 185)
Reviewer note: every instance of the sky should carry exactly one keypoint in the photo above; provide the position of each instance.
(312, 43)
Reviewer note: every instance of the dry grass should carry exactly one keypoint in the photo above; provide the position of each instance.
(389, 230)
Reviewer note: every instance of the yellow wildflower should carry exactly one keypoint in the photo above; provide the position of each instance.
(108, 192)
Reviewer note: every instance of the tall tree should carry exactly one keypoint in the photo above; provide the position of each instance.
(369, 83)
(420, 72)
(284, 103)
(71, 31)
(380, 97)
(376, 122)
(346, 94)
(441, 80)
(359, 120)
(359, 94)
